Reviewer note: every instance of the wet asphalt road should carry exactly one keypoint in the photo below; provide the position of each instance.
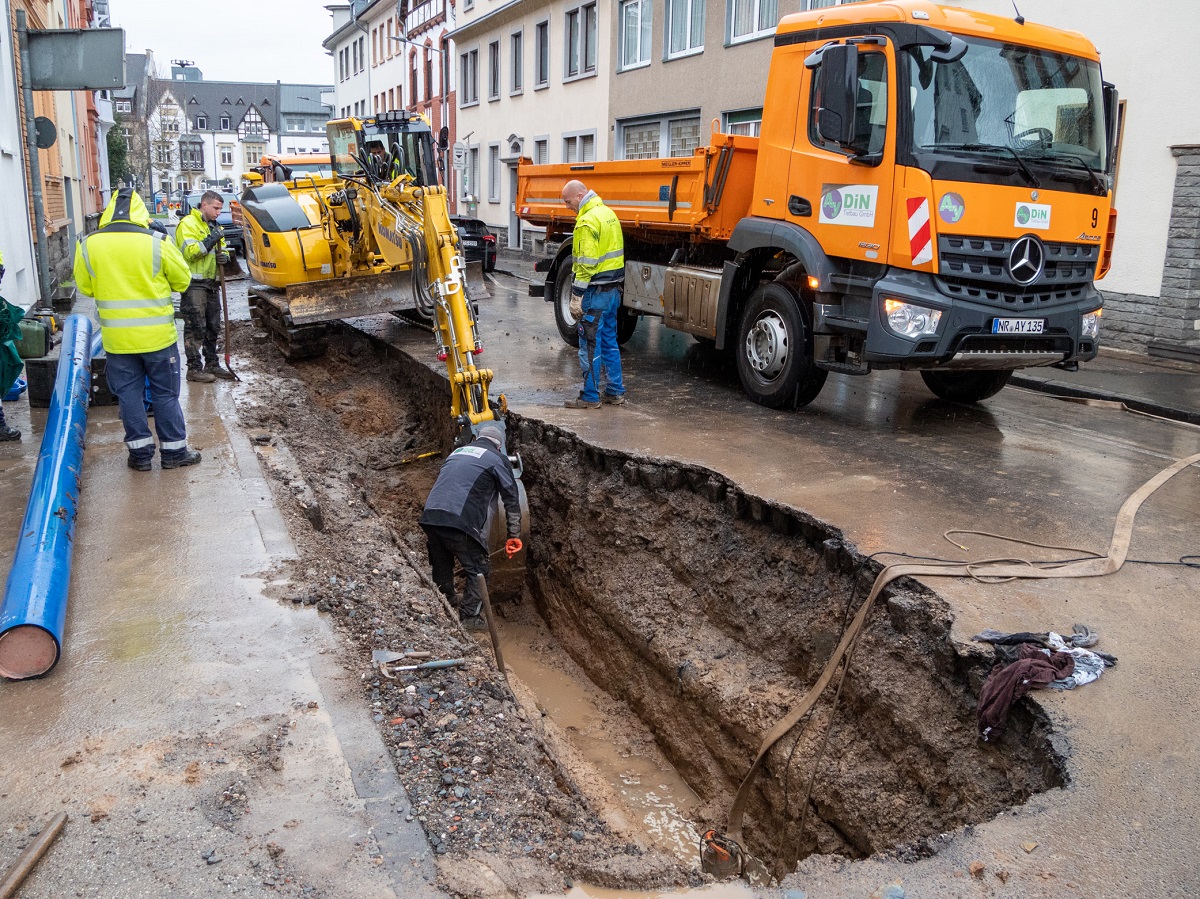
(894, 468)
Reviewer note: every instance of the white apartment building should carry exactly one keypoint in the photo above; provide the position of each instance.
(205, 133)
(533, 81)
(383, 61)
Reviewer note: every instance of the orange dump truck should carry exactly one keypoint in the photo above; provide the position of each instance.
(931, 190)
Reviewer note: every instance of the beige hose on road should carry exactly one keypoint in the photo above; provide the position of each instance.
(1002, 569)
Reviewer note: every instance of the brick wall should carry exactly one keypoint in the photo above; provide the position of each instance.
(1172, 319)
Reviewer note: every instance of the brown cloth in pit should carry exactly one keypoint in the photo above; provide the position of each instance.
(1033, 670)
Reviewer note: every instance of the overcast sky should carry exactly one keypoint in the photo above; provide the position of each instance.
(232, 40)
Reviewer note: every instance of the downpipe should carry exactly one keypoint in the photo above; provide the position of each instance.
(34, 610)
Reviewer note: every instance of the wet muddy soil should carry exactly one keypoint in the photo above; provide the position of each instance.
(699, 613)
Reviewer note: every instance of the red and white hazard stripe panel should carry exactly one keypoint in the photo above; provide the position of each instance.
(920, 241)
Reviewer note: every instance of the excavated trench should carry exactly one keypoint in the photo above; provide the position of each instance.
(707, 612)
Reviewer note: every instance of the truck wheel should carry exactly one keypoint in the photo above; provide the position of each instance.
(774, 349)
(627, 323)
(965, 386)
(568, 327)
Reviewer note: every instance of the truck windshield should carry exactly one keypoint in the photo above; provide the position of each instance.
(1006, 100)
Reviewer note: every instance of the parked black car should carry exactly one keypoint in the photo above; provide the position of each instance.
(233, 234)
(478, 242)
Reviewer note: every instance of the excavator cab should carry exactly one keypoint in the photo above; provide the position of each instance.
(389, 146)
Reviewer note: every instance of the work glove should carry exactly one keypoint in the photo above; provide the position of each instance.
(513, 546)
(1, 272)
(211, 241)
(222, 258)
(576, 304)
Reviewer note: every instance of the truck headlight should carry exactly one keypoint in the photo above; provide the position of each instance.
(1091, 324)
(910, 320)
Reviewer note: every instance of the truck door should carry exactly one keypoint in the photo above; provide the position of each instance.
(845, 190)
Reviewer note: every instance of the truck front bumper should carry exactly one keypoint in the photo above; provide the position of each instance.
(967, 335)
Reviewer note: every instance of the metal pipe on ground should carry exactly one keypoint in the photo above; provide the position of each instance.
(34, 609)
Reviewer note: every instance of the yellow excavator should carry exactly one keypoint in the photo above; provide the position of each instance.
(374, 237)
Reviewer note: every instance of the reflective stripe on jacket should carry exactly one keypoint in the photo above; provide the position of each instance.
(131, 274)
(190, 234)
(598, 245)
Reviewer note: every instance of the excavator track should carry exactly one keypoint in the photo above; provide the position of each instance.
(269, 311)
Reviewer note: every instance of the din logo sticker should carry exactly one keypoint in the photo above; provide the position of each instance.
(849, 204)
(1032, 215)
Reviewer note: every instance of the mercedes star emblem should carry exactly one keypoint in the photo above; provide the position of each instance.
(1033, 195)
(1026, 260)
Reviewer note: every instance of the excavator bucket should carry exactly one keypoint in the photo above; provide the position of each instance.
(477, 287)
(323, 301)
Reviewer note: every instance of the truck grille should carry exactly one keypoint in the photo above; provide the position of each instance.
(976, 268)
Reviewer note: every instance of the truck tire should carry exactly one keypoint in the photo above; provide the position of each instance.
(965, 386)
(774, 349)
(627, 323)
(568, 327)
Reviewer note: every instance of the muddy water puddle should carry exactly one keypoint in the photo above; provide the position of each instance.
(615, 745)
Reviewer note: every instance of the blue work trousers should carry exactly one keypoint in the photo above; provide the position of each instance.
(127, 376)
(598, 342)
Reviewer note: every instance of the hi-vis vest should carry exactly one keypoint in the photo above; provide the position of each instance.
(597, 245)
(189, 237)
(131, 274)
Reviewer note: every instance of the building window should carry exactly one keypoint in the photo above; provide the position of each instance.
(391, 98)
(226, 155)
(494, 70)
(162, 154)
(389, 42)
(295, 124)
(750, 19)
(224, 123)
(123, 106)
(541, 53)
(633, 26)
(471, 181)
(170, 127)
(469, 88)
(428, 75)
(679, 135)
(581, 41)
(254, 153)
(494, 173)
(541, 151)
(518, 63)
(685, 27)
(579, 147)
(745, 121)
(201, 123)
(191, 157)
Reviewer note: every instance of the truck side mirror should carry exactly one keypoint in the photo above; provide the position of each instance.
(837, 88)
(1112, 109)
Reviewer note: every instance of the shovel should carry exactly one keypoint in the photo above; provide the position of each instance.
(225, 312)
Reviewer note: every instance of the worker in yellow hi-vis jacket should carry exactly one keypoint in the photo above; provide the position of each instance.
(198, 237)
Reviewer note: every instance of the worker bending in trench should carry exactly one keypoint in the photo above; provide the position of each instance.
(456, 514)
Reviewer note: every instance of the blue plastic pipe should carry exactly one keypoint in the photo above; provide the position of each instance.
(35, 598)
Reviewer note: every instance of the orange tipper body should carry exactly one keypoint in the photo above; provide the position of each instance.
(930, 190)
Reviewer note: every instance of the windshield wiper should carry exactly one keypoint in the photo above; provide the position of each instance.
(991, 148)
(1097, 183)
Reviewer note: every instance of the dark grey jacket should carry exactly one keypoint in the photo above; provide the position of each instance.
(466, 488)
